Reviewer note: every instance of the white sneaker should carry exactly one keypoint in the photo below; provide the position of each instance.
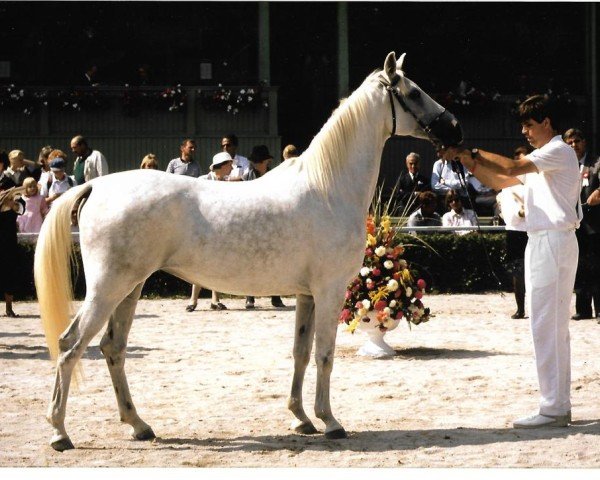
(539, 421)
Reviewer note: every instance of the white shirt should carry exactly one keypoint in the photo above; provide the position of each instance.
(466, 218)
(551, 195)
(240, 165)
(57, 186)
(443, 178)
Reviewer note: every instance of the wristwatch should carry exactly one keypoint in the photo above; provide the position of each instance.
(474, 153)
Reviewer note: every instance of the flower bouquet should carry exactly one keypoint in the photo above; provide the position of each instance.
(385, 290)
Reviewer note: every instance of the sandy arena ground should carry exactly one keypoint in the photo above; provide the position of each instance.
(214, 386)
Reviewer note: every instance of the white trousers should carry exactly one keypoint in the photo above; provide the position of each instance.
(550, 265)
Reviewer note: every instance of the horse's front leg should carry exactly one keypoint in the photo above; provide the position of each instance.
(303, 340)
(113, 347)
(328, 306)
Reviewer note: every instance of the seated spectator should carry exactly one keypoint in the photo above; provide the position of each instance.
(425, 215)
(484, 198)
(35, 208)
(444, 179)
(20, 168)
(149, 161)
(410, 183)
(290, 151)
(229, 144)
(58, 182)
(221, 167)
(259, 165)
(457, 216)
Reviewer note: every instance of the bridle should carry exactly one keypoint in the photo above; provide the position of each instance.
(433, 129)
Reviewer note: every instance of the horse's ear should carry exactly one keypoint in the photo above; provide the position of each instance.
(389, 66)
(400, 61)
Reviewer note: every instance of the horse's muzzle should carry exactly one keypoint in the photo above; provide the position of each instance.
(445, 131)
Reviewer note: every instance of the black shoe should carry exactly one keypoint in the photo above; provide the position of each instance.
(518, 314)
(278, 304)
(249, 305)
(579, 316)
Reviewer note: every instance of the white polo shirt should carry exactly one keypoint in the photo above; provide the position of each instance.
(551, 195)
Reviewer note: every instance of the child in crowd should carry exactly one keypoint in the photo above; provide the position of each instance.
(35, 208)
(149, 161)
(58, 182)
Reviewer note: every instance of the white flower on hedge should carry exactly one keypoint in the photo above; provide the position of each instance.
(393, 303)
(364, 271)
(388, 264)
(380, 251)
(392, 285)
(408, 291)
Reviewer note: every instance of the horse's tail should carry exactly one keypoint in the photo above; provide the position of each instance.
(52, 266)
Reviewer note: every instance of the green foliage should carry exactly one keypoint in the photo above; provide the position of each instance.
(449, 263)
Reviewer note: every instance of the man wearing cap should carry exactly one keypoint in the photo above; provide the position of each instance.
(229, 144)
(259, 165)
(220, 168)
(185, 163)
(89, 163)
(58, 181)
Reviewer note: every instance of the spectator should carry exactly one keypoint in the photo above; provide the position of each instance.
(229, 144)
(221, 166)
(484, 198)
(35, 208)
(58, 182)
(587, 280)
(512, 209)
(89, 163)
(411, 183)
(457, 216)
(259, 165)
(4, 163)
(425, 215)
(149, 161)
(290, 151)
(19, 168)
(10, 207)
(44, 163)
(90, 75)
(185, 163)
(444, 179)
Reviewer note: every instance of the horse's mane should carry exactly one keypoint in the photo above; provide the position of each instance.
(329, 149)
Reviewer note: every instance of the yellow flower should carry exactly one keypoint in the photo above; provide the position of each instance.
(385, 223)
(371, 240)
(353, 324)
(382, 292)
(406, 276)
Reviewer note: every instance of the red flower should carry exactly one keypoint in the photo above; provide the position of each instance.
(380, 305)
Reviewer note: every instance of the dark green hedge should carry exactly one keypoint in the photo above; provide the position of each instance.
(450, 264)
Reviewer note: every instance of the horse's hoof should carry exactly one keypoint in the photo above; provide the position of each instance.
(147, 434)
(306, 428)
(62, 444)
(336, 434)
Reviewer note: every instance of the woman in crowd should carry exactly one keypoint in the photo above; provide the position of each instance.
(149, 161)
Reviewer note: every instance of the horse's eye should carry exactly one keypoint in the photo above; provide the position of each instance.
(414, 94)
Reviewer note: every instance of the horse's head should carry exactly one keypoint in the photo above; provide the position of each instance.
(423, 117)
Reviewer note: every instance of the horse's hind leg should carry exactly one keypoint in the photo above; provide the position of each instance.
(328, 306)
(72, 343)
(303, 340)
(113, 347)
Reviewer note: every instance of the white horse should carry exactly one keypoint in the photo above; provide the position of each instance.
(301, 233)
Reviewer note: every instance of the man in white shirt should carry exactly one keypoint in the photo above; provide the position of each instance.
(229, 144)
(444, 179)
(550, 175)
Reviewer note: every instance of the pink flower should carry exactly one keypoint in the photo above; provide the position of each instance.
(358, 305)
(348, 295)
(399, 315)
(369, 252)
(376, 272)
(419, 294)
(345, 315)
(421, 283)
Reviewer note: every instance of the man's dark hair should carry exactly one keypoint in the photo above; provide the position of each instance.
(427, 198)
(187, 140)
(80, 140)
(232, 138)
(450, 196)
(539, 107)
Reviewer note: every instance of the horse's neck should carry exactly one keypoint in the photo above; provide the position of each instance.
(357, 177)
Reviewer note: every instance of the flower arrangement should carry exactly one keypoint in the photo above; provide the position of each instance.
(233, 100)
(384, 285)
